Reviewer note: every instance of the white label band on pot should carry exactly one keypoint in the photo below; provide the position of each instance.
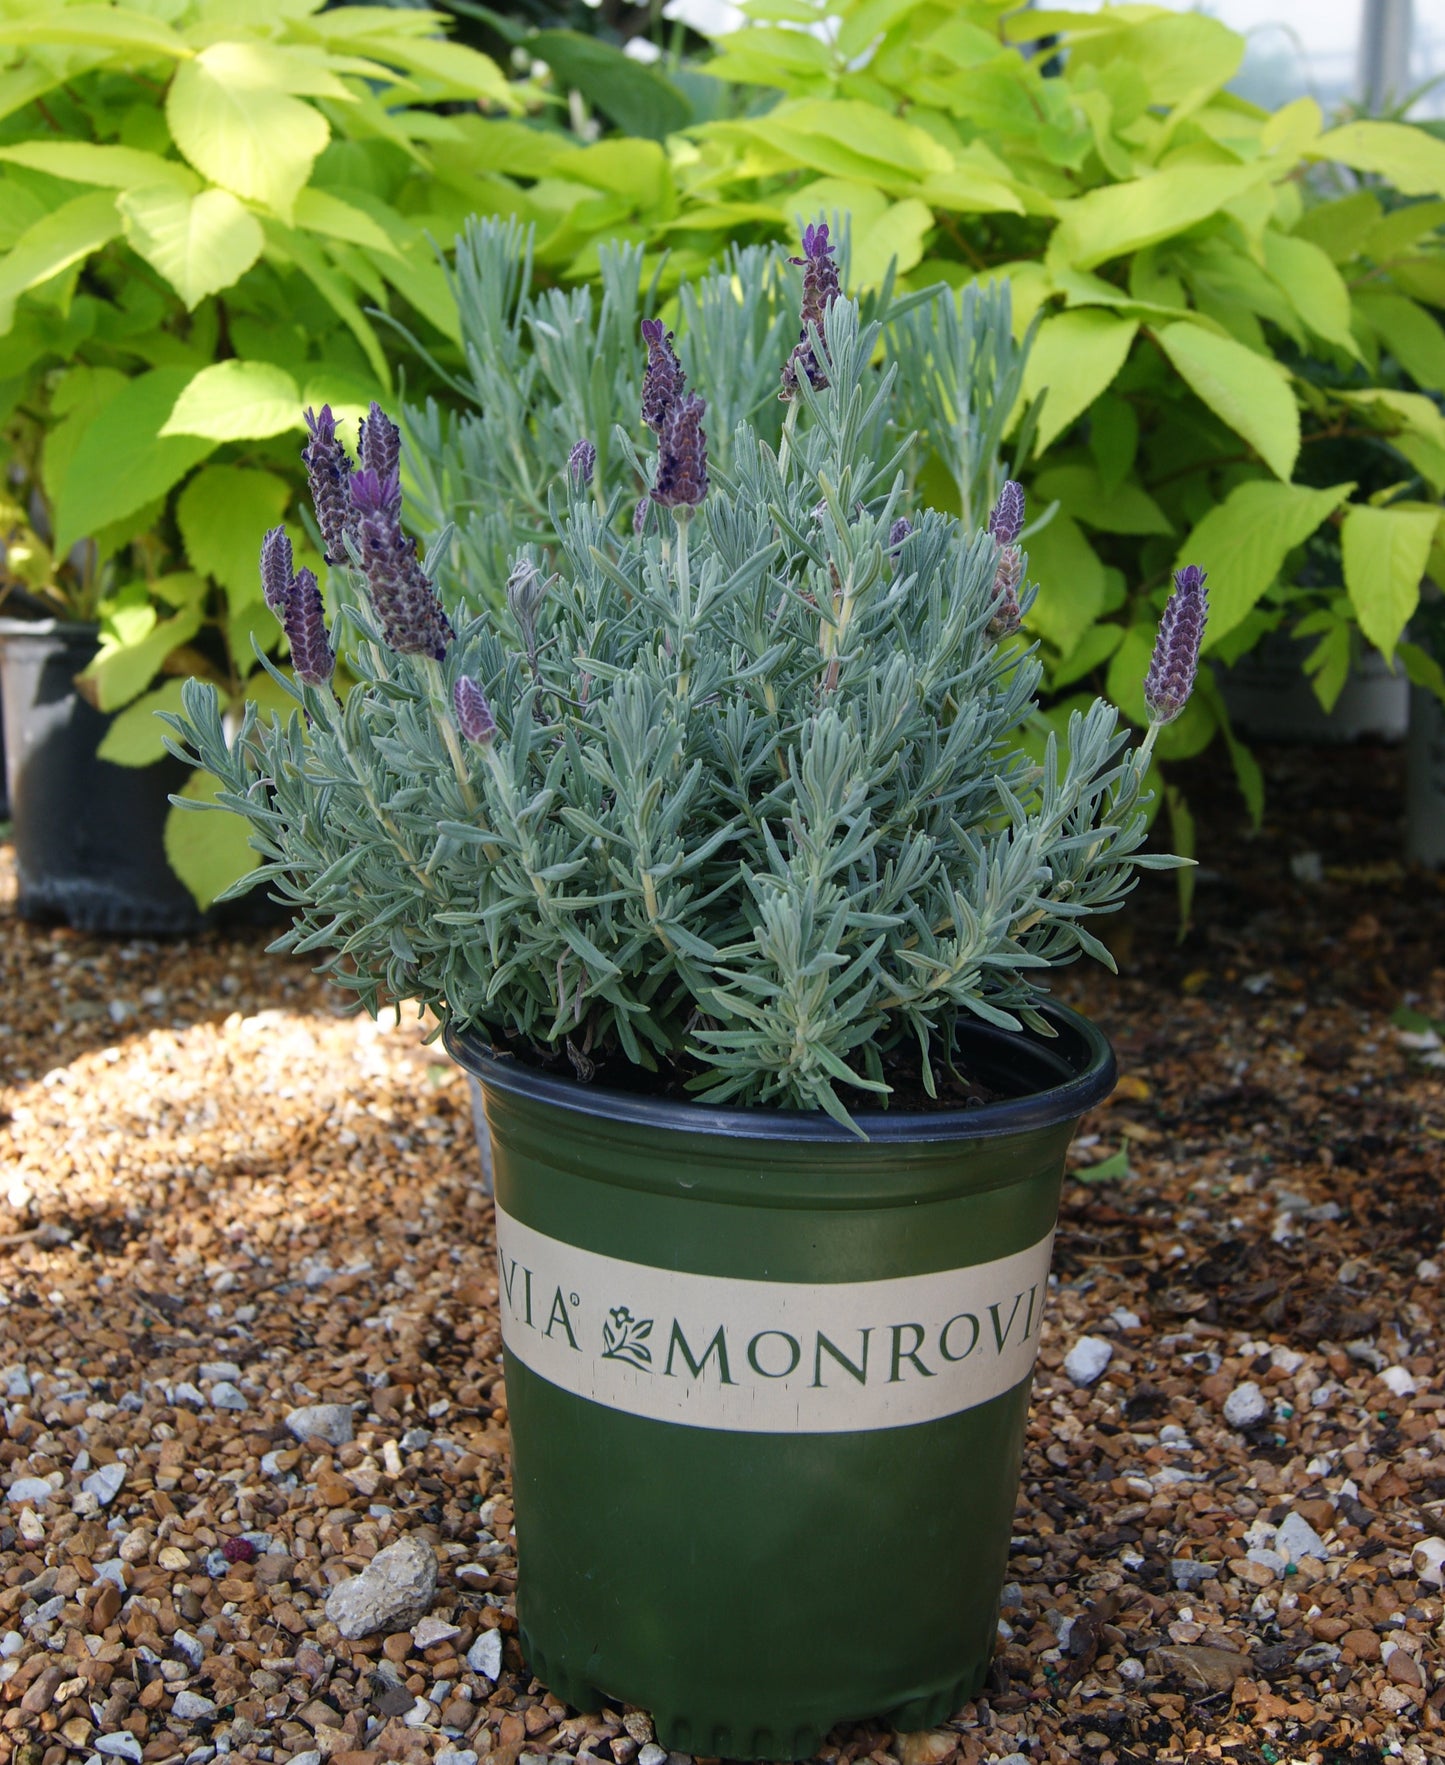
(769, 1357)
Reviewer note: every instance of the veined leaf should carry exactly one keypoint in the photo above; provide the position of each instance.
(1244, 540)
(1075, 356)
(111, 27)
(1121, 508)
(237, 401)
(1241, 388)
(290, 245)
(66, 234)
(222, 514)
(1071, 583)
(1340, 228)
(113, 168)
(1314, 286)
(1411, 334)
(1119, 218)
(134, 738)
(122, 669)
(1411, 159)
(1399, 229)
(640, 100)
(122, 461)
(200, 244)
(1385, 554)
(318, 211)
(240, 130)
(207, 852)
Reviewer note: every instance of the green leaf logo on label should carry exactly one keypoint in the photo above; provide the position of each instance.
(624, 1338)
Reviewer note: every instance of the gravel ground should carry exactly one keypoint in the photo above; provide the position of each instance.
(222, 1203)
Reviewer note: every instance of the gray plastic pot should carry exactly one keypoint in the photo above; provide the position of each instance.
(1270, 699)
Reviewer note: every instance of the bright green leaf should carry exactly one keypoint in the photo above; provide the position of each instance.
(222, 514)
(200, 244)
(1119, 218)
(114, 168)
(1126, 508)
(1411, 159)
(135, 737)
(80, 394)
(1075, 356)
(1340, 228)
(1243, 541)
(63, 237)
(240, 130)
(1385, 553)
(121, 669)
(207, 852)
(1071, 583)
(237, 401)
(320, 212)
(1412, 336)
(1399, 229)
(122, 461)
(1314, 286)
(1241, 388)
(89, 27)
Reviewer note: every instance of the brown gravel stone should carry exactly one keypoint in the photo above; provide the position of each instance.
(238, 1173)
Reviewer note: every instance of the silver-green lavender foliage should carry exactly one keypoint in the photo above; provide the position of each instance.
(753, 812)
(547, 368)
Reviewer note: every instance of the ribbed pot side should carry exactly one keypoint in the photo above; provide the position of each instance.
(765, 1378)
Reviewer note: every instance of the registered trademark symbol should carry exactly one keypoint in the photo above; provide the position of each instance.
(572, 1297)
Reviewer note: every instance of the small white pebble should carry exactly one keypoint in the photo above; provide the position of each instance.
(1087, 1359)
(1130, 1670)
(652, 1754)
(431, 1631)
(105, 1483)
(226, 1396)
(1400, 1381)
(1245, 1406)
(190, 1706)
(485, 1655)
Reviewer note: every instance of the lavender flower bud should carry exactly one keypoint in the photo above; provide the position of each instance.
(1007, 579)
(820, 289)
(378, 445)
(474, 714)
(640, 514)
(663, 381)
(304, 620)
(1006, 522)
(682, 455)
(328, 468)
(276, 568)
(412, 620)
(526, 590)
(1175, 661)
(582, 462)
(898, 532)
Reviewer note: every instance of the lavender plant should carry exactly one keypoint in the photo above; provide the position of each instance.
(739, 798)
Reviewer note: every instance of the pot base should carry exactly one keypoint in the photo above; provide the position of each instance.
(711, 1735)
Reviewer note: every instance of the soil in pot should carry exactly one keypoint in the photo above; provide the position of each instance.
(88, 834)
(753, 1363)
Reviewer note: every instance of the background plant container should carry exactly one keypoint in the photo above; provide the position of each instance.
(1270, 699)
(88, 835)
(1425, 781)
(754, 1363)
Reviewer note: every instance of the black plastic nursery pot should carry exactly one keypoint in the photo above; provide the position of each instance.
(88, 834)
(755, 1365)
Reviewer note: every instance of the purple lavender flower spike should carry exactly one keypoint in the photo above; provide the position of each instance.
(640, 514)
(1006, 522)
(412, 620)
(582, 462)
(1175, 661)
(898, 532)
(378, 444)
(820, 289)
(663, 380)
(474, 714)
(681, 480)
(276, 569)
(304, 619)
(328, 467)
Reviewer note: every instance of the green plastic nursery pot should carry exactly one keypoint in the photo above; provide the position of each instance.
(764, 1377)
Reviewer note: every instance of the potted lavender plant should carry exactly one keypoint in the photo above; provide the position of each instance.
(719, 858)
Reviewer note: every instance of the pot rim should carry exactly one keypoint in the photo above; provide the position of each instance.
(67, 630)
(1080, 1045)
